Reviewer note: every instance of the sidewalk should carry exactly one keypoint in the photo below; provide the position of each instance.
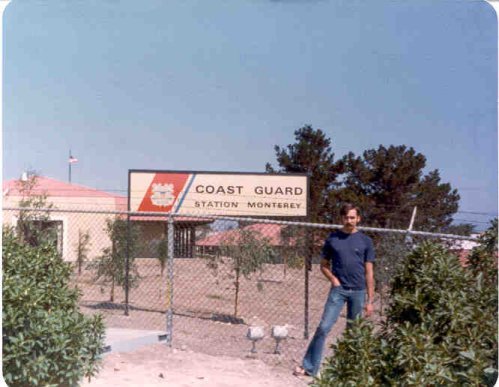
(125, 340)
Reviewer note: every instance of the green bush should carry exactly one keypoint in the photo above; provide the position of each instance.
(46, 340)
(390, 251)
(441, 325)
(110, 267)
(246, 251)
(82, 247)
(163, 253)
(356, 364)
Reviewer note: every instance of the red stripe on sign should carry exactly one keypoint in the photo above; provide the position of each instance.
(163, 192)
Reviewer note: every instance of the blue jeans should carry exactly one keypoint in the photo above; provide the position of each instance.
(334, 304)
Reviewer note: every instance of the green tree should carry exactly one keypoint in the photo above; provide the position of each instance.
(82, 249)
(46, 339)
(293, 247)
(387, 183)
(33, 218)
(111, 265)
(163, 253)
(483, 259)
(459, 229)
(391, 249)
(441, 326)
(246, 251)
(311, 153)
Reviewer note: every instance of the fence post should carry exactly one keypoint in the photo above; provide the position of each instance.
(169, 285)
(305, 313)
(127, 262)
(308, 264)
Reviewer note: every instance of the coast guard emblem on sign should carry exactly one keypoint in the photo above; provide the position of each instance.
(162, 195)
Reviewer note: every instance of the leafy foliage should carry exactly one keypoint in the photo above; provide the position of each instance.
(246, 251)
(163, 253)
(387, 183)
(390, 252)
(33, 215)
(311, 154)
(82, 249)
(441, 327)
(355, 364)
(293, 249)
(459, 229)
(111, 265)
(46, 340)
(483, 260)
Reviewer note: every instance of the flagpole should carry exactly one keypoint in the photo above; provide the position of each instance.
(69, 163)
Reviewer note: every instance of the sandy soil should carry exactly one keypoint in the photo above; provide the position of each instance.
(203, 316)
(215, 345)
(157, 364)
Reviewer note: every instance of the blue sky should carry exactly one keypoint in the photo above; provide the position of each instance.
(214, 85)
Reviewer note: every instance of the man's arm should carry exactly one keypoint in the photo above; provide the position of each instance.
(326, 270)
(370, 287)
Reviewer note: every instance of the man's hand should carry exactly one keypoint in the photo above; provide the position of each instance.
(369, 308)
(370, 288)
(326, 270)
(335, 282)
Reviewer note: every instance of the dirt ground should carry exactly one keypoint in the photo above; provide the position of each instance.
(157, 364)
(214, 341)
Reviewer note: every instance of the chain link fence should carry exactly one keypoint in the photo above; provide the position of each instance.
(205, 280)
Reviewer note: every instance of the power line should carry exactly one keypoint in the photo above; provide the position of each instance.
(471, 221)
(477, 213)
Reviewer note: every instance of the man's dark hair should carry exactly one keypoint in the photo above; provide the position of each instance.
(345, 208)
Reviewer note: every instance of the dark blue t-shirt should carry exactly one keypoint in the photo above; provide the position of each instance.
(348, 254)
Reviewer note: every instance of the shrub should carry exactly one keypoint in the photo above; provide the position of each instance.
(33, 223)
(82, 248)
(358, 363)
(441, 326)
(293, 240)
(390, 251)
(46, 340)
(246, 251)
(111, 265)
(163, 253)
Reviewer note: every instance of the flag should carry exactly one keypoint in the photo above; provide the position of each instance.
(72, 160)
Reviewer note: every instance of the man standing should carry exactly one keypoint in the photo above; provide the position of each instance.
(347, 262)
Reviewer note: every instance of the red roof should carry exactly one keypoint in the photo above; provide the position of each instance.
(271, 231)
(164, 218)
(56, 188)
(52, 187)
(264, 230)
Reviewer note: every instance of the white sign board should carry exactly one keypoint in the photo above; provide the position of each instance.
(210, 193)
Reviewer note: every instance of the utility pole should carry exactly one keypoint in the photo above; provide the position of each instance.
(408, 239)
(412, 218)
